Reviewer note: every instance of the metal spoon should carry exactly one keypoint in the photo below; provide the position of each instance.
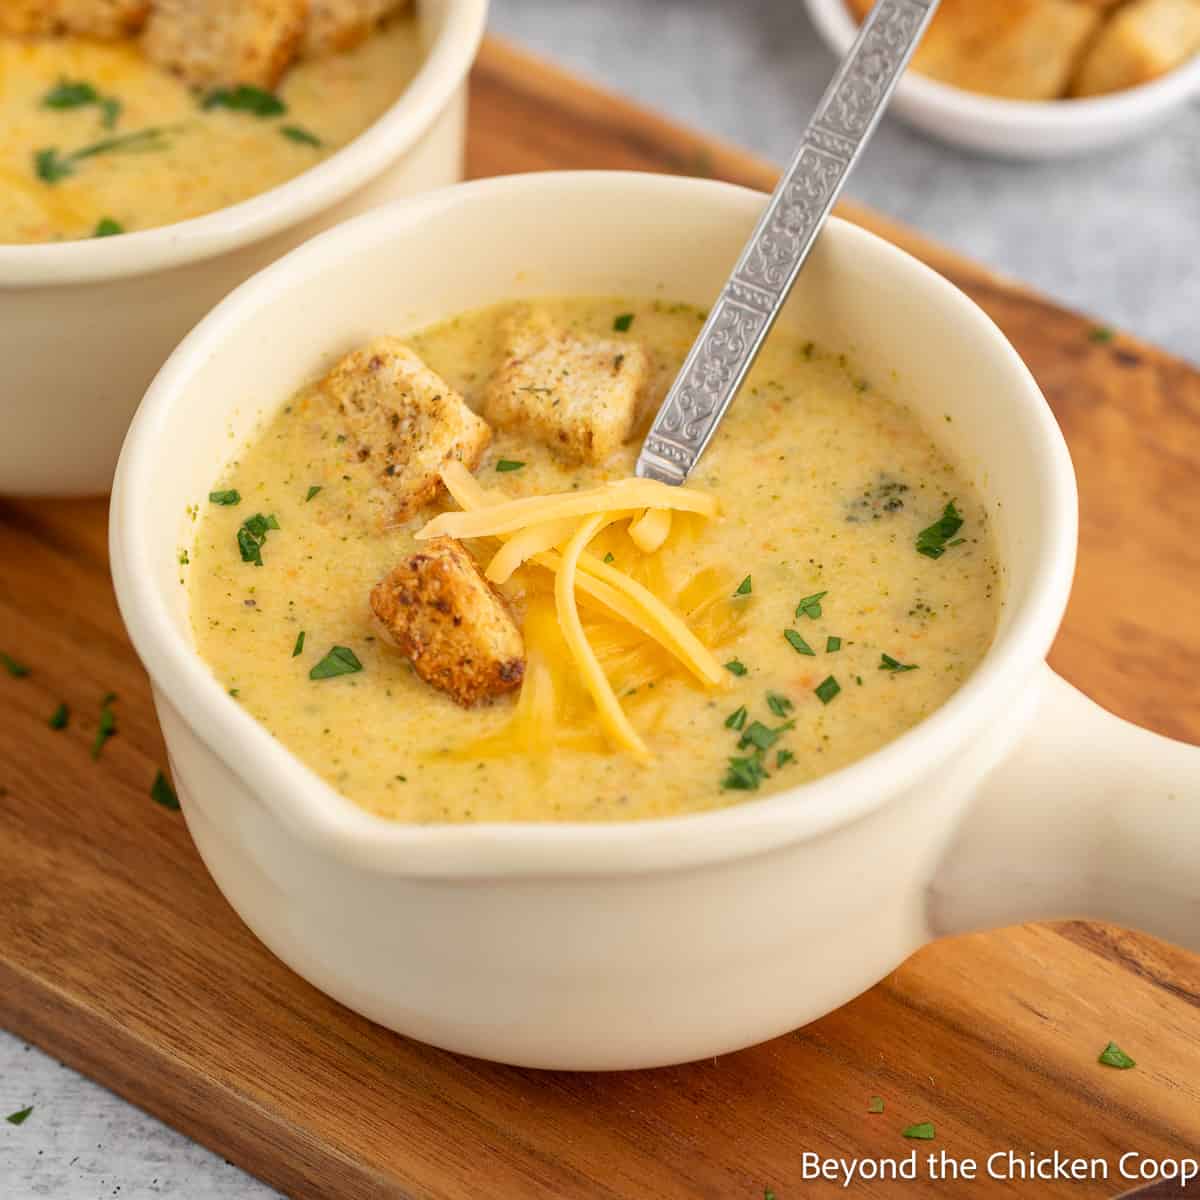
(755, 293)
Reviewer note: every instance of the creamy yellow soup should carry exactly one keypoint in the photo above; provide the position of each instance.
(95, 139)
(836, 632)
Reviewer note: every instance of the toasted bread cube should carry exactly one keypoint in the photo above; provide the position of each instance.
(28, 18)
(1020, 49)
(1144, 40)
(443, 616)
(102, 18)
(338, 25)
(578, 394)
(402, 420)
(222, 43)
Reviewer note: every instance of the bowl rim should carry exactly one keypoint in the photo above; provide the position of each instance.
(837, 27)
(89, 260)
(322, 816)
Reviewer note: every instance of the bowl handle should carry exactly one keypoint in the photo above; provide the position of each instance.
(1089, 816)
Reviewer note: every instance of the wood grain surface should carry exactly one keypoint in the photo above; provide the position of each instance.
(118, 955)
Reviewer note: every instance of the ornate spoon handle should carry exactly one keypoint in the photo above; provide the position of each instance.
(756, 291)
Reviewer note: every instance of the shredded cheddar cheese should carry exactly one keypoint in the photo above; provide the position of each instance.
(651, 529)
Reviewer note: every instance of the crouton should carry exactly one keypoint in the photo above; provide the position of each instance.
(102, 18)
(1019, 49)
(222, 43)
(1143, 41)
(28, 18)
(578, 394)
(442, 615)
(404, 422)
(338, 25)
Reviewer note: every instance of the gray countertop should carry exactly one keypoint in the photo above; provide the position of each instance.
(1117, 235)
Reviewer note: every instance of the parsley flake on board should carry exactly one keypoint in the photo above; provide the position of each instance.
(341, 660)
(248, 99)
(295, 133)
(745, 588)
(60, 718)
(888, 663)
(931, 542)
(299, 647)
(736, 667)
(875, 1105)
(810, 606)
(107, 227)
(1113, 1056)
(16, 669)
(923, 1131)
(19, 1117)
(827, 689)
(736, 719)
(161, 792)
(507, 464)
(107, 727)
(622, 323)
(798, 644)
(232, 496)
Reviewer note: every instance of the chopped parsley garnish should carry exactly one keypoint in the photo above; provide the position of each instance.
(77, 94)
(508, 464)
(295, 133)
(312, 491)
(798, 644)
(19, 1117)
(833, 645)
(1113, 1056)
(60, 717)
(245, 98)
(341, 660)
(233, 496)
(161, 792)
(52, 166)
(736, 667)
(875, 1105)
(745, 587)
(783, 757)
(107, 227)
(888, 663)
(922, 1132)
(744, 774)
(622, 323)
(609, 557)
(1100, 334)
(736, 719)
(827, 689)
(761, 737)
(253, 535)
(780, 705)
(931, 542)
(107, 727)
(810, 606)
(298, 649)
(16, 669)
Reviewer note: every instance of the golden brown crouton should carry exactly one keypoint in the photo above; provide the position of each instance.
(338, 25)
(442, 615)
(222, 43)
(1019, 49)
(578, 394)
(28, 18)
(1144, 40)
(402, 420)
(102, 18)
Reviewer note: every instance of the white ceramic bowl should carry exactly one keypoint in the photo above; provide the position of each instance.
(85, 325)
(638, 944)
(1025, 129)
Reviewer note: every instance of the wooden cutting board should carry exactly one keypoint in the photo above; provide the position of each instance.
(118, 956)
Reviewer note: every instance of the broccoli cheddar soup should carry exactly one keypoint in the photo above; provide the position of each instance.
(433, 577)
(96, 139)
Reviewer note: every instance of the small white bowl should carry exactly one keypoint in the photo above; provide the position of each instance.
(635, 944)
(84, 325)
(1022, 129)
